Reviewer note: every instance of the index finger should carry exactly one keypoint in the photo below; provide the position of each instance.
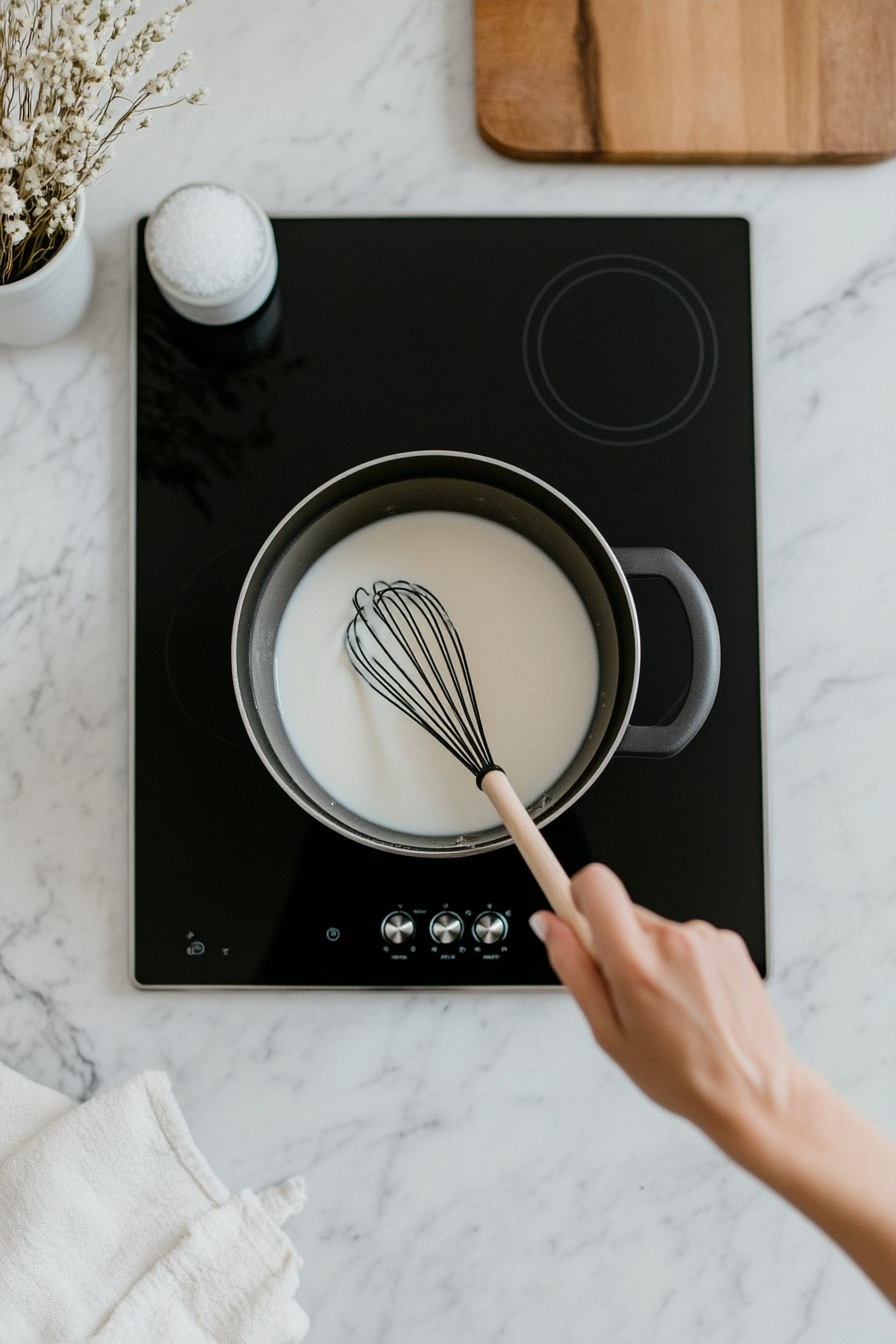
(618, 934)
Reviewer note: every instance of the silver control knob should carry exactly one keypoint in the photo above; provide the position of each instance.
(398, 927)
(446, 927)
(490, 928)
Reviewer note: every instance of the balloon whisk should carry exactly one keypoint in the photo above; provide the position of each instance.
(404, 645)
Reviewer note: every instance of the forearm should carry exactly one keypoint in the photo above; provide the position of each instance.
(834, 1165)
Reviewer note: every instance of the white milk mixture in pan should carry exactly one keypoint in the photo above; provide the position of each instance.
(530, 647)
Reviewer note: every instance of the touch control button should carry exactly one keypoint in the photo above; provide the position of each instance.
(446, 927)
(398, 927)
(490, 928)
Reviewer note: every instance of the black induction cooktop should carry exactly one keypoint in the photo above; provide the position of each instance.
(611, 358)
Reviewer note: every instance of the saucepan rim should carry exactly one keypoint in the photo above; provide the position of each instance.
(243, 630)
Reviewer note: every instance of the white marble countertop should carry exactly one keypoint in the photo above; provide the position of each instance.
(476, 1170)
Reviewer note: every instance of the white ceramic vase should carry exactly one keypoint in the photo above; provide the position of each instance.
(50, 303)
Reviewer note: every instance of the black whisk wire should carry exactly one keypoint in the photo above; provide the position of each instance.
(403, 643)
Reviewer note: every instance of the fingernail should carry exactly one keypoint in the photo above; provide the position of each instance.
(538, 926)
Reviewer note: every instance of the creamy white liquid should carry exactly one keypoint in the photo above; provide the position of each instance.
(530, 647)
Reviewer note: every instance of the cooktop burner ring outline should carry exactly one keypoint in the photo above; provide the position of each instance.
(608, 433)
(597, 424)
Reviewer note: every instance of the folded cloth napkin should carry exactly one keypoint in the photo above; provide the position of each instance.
(115, 1230)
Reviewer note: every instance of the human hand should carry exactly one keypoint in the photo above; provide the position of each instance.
(681, 1008)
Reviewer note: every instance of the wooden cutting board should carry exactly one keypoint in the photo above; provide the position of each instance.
(688, 81)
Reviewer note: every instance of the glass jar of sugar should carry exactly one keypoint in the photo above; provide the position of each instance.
(212, 253)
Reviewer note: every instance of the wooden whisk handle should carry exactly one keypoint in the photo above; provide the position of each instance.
(541, 859)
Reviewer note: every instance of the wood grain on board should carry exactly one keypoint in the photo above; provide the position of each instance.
(732, 81)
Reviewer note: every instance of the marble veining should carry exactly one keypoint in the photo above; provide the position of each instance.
(476, 1170)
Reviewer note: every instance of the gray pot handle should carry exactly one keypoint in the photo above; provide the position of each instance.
(668, 739)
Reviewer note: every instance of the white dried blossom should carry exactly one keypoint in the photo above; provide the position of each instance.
(159, 84)
(66, 65)
(16, 132)
(31, 181)
(60, 217)
(10, 201)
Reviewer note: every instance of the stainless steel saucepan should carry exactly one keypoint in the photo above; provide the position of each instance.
(409, 482)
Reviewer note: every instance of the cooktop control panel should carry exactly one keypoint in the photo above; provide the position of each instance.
(414, 940)
(433, 942)
(448, 933)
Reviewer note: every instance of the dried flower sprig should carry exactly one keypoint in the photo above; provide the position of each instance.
(65, 68)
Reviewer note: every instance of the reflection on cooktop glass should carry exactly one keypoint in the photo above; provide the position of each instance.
(610, 358)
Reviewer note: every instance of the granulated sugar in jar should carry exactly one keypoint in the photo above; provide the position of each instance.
(212, 253)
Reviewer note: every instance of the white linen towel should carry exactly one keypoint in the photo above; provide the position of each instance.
(115, 1230)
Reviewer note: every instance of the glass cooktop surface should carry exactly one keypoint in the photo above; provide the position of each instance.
(612, 358)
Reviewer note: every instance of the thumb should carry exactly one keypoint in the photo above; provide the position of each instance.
(582, 978)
